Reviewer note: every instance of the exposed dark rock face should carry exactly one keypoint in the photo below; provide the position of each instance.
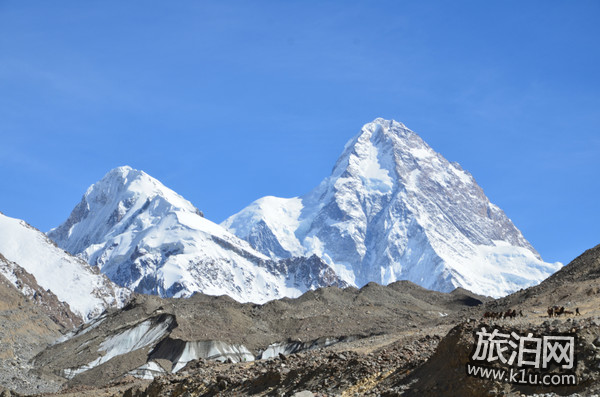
(29, 322)
(57, 311)
(395, 340)
(325, 372)
(30, 253)
(153, 336)
(446, 369)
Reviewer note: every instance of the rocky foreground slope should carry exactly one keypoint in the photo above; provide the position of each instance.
(44, 292)
(29, 322)
(399, 340)
(421, 364)
(395, 340)
(153, 336)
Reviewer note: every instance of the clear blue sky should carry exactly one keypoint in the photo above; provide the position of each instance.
(226, 101)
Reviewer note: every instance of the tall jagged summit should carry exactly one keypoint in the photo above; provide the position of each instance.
(146, 237)
(394, 209)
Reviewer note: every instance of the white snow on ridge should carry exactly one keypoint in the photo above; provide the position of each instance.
(70, 279)
(282, 216)
(395, 209)
(145, 237)
(392, 209)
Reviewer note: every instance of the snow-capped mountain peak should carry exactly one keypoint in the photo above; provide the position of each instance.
(148, 238)
(116, 199)
(393, 209)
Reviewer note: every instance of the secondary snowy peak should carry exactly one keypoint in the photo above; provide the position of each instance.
(395, 209)
(71, 279)
(146, 237)
(115, 201)
(269, 225)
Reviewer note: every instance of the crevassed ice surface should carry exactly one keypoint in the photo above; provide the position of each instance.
(144, 334)
(212, 350)
(148, 371)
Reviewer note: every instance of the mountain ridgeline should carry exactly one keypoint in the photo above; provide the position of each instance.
(36, 266)
(392, 209)
(147, 238)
